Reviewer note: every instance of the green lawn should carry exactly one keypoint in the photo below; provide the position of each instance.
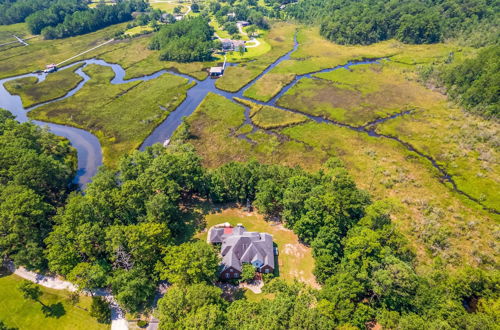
(121, 116)
(295, 260)
(56, 85)
(20, 313)
(137, 30)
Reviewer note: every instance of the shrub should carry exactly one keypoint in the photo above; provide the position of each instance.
(100, 310)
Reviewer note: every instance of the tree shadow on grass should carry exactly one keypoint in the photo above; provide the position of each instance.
(55, 310)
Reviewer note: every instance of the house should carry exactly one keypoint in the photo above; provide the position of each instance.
(229, 45)
(239, 246)
(178, 17)
(216, 71)
(243, 23)
(231, 15)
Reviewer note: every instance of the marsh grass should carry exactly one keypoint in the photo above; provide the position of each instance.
(121, 116)
(269, 86)
(268, 117)
(359, 95)
(55, 85)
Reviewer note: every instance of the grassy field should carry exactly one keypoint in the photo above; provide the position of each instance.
(268, 117)
(268, 86)
(121, 116)
(295, 260)
(358, 95)
(55, 85)
(280, 38)
(168, 6)
(6, 32)
(217, 121)
(137, 30)
(20, 313)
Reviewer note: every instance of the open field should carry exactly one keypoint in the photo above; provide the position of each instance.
(121, 116)
(6, 32)
(26, 314)
(168, 6)
(137, 30)
(281, 40)
(295, 260)
(55, 85)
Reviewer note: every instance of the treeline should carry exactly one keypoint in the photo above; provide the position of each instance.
(473, 83)
(36, 170)
(92, 19)
(133, 228)
(187, 40)
(53, 15)
(12, 11)
(419, 22)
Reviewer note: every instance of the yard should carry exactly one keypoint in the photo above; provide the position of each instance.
(15, 311)
(295, 259)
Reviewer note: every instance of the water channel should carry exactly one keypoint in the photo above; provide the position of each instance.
(89, 148)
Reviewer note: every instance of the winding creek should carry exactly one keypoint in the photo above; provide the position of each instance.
(89, 148)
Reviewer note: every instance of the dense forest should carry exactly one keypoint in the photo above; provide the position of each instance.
(133, 227)
(12, 11)
(36, 170)
(93, 19)
(423, 21)
(187, 40)
(66, 18)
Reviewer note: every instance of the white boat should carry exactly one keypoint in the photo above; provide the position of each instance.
(166, 143)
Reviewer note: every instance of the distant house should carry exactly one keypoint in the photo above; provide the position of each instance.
(243, 23)
(239, 246)
(232, 15)
(229, 45)
(178, 17)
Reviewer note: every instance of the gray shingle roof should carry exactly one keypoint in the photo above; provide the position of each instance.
(240, 246)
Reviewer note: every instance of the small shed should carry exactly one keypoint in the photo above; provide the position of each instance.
(50, 68)
(216, 71)
(243, 23)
